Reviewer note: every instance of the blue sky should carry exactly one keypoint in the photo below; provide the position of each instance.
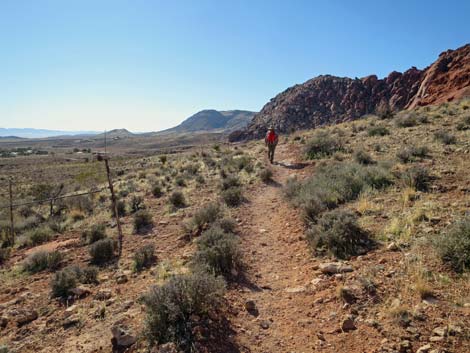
(147, 65)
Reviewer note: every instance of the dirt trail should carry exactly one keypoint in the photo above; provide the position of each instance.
(293, 315)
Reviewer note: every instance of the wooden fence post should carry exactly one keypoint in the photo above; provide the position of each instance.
(114, 201)
(12, 224)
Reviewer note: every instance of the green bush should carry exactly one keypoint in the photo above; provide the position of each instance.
(337, 233)
(42, 260)
(38, 236)
(322, 145)
(4, 255)
(97, 232)
(408, 154)
(157, 191)
(362, 157)
(137, 203)
(179, 181)
(335, 184)
(89, 275)
(378, 130)
(121, 208)
(205, 216)
(407, 120)
(230, 181)
(232, 197)
(171, 307)
(417, 177)
(266, 175)
(144, 257)
(177, 199)
(445, 137)
(453, 245)
(217, 251)
(142, 221)
(228, 225)
(102, 251)
(63, 281)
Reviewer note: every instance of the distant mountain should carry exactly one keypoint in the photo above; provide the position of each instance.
(115, 134)
(40, 133)
(211, 120)
(326, 99)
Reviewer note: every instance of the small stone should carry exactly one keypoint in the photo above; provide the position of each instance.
(392, 247)
(122, 337)
(250, 306)
(103, 294)
(262, 230)
(26, 316)
(264, 324)
(299, 289)
(80, 292)
(121, 278)
(424, 349)
(3, 322)
(440, 331)
(71, 310)
(436, 339)
(70, 321)
(348, 325)
(454, 330)
(334, 267)
(405, 345)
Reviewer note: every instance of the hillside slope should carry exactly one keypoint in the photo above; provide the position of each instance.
(328, 99)
(213, 120)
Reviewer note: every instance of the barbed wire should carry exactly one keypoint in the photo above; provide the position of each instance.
(53, 198)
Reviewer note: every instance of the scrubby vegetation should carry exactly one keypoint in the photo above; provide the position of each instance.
(453, 245)
(102, 251)
(337, 233)
(172, 306)
(322, 145)
(42, 260)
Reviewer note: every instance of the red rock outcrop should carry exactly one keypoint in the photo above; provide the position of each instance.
(328, 99)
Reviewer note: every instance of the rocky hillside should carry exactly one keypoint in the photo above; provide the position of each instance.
(214, 120)
(328, 99)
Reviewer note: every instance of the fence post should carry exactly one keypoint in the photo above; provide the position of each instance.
(113, 199)
(12, 224)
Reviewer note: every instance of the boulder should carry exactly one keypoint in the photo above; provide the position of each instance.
(25, 317)
(122, 337)
(348, 325)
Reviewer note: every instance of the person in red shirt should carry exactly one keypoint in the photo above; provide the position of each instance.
(271, 140)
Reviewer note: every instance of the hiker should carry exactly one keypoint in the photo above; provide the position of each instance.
(271, 141)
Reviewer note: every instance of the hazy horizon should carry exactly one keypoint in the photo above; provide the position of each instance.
(148, 65)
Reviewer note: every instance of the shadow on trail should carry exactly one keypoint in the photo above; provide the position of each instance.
(274, 183)
(243, 281)
(293, 166)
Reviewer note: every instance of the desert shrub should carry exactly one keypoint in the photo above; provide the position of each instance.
(417, 177)
(230, 182)
(292, 188)
(121, 208)
(26, 211)
(89, 275)
(205, 216)
(57, 224)
(407, 120)
(177, 199)
(408, 154)
(137, 203)
(445, 137)
(217, 251)
(157, 191)
(4, 349)
(77, 215)
(63, 281)
(200, 179)
(423, 119)
(102, 251)
(321, 145)
(163, 159)
(179, 181)
(266, 175)
(42, 260)
(362, 157)
(453, 245)
(171, 307)
(97, 232)
(4, 255)
(335, 184)
(243, 162)
(378, 130)
(384, 111)
(338, 233)
(226, 224)
(142, 221)
(232, 197)
(83, 203)
(144, 257)
(39, 236)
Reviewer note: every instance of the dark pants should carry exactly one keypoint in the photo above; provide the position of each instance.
(271, 149)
